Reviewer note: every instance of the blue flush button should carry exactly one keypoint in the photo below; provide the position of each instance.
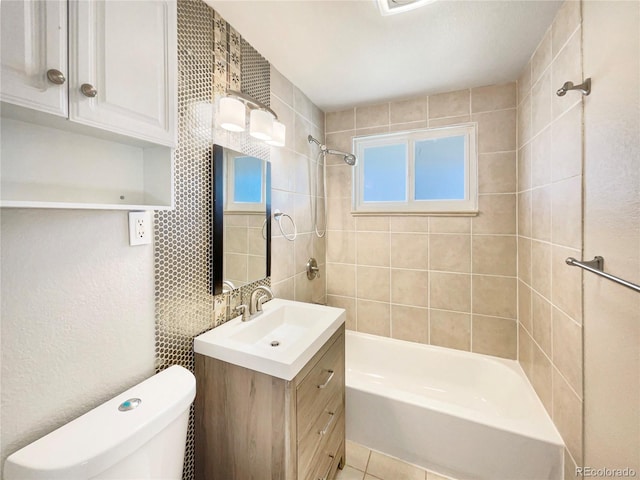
(129, 404)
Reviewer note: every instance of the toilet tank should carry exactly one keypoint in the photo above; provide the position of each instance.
(143, 442)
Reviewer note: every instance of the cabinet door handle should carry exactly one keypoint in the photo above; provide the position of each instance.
(88, 90)
(326, 475)
(331, 374)
(56, 76)
(326, 427)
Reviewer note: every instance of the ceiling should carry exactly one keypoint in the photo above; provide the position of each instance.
(343, 53)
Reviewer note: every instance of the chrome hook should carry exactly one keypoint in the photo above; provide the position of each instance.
(584, 88)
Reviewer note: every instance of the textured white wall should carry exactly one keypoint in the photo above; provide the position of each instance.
(77, 317)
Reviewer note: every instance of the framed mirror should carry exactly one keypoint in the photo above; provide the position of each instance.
(241, 219)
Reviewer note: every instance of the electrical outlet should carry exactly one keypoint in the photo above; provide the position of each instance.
(139, 228)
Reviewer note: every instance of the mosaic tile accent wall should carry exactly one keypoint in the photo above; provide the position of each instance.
(209, 62)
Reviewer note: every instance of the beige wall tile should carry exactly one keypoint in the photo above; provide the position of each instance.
(541, 268)
(448, 121)
(349, 304)
(496, 130)
(338, 181)
(541, 58)
(282, 260)
(567, 65)
(450, 329)
(283, 162)
(497, 214)
(497, 172)
(524, 306)
(339, 214)
(494, 255)
(495, 296)
(339, 121)
(401, 127)
(565, 23)
(320, 249)
(494, 336)
(374, 318)
(567, 415)
(541, 377)
(303, 250)
(301, 129)
(341, 246)
(409, 250)
(338, 141)
(524, 214)
(566, 283)
(372, 224)
(541, 103)
(567, 349)
(280, 86)
(524, 83)
(541, 213)
(372, 283)
(524, 259)
(524, 168)
(301, 169)
(301, 215)
(525, 352)
(341, 279)
(303, 105)
(372, 116)
(363, 132)
(541, 322)
(410, 287)
(566, 205)
(493, 97)
(409, 224)
(283, 289)
(303, 288)
(410, 323)
(541, 158)
(412, 110)
(570, 468)
(566, 145)
(387, 468)
(286, 116)
(450, 225)
(450, 291)
(524, 121)
(450, 253)
(373, 249)
(449, 104)
(235, 239)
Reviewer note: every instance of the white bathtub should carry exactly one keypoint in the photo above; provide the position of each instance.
(461, 414)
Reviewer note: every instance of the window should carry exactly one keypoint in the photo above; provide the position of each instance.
(421, 171)
(244, 189)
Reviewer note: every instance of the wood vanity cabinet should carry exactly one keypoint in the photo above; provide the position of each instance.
(250, 425)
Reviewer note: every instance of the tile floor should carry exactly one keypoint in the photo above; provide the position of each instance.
(365, 464)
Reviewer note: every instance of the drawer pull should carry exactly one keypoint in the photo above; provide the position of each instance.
(326, 427)
(326, 475)
(331, 374)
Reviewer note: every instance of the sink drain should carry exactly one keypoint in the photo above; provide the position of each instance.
(275, 343)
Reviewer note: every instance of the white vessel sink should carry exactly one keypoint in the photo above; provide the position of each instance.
(279, 342)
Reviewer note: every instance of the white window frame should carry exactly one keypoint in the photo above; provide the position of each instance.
(467, 206)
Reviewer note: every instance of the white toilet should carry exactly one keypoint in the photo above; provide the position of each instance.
(139, 434)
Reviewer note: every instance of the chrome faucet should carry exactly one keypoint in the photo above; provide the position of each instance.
(259, 295)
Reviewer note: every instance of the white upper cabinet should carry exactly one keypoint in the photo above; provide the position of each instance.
(34, 42)
(122, 75)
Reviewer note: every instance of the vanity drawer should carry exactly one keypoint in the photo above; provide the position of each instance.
(327, 458)
(321, 437)
(322, 385)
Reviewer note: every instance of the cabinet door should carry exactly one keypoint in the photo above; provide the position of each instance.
(33, 34)
(124, 53)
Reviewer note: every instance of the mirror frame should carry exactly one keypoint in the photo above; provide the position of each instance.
(217, 218)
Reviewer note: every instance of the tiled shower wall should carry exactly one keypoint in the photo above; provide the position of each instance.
(448, 281)
(293, 169)
(550, 226)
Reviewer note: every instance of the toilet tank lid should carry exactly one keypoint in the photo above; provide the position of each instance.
(105, 435)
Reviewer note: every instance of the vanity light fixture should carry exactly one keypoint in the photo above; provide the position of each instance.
(263, 122)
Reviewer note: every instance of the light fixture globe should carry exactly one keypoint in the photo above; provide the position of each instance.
(232, 114)
(261, 124)
(279, 132)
